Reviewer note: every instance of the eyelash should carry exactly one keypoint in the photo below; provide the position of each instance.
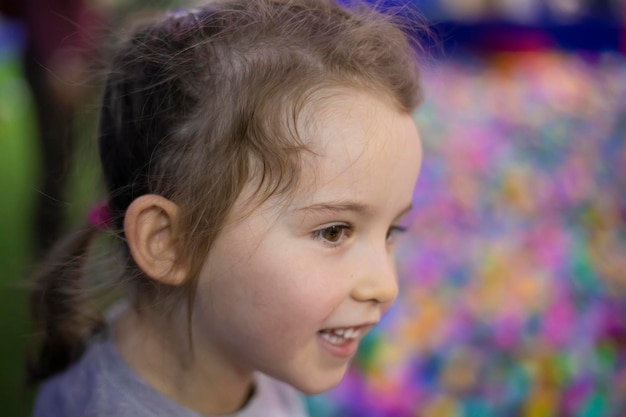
(394, 230)
(346, 231)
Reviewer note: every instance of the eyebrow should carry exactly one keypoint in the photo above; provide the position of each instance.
(405, 211)
(338, 207)
(346, 206)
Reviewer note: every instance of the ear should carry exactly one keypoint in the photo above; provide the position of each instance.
(151, 226)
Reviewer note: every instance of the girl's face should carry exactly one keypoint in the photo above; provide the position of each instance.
(290, 288)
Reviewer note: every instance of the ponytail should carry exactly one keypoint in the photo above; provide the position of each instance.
(60, 308)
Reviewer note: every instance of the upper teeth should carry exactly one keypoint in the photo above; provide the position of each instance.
(350, 333)
(339, 335)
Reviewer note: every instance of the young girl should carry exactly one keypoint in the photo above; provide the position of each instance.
(259, 157)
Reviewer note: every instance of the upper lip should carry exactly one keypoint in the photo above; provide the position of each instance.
(352, 326)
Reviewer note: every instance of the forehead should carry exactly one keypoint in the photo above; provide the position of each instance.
(362, 149)
(335, 113)
(357, 139)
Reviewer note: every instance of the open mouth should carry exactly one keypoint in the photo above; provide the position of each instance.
(340, 336)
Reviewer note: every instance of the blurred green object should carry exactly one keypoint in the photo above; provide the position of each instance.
(19, 173)
(18, 170)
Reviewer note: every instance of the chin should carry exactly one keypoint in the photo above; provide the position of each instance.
(322, 382)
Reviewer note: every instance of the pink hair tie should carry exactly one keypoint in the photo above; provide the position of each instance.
(99, 216)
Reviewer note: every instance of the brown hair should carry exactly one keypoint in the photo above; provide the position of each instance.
(197, 103)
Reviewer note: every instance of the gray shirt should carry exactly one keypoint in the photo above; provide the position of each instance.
(101, 384)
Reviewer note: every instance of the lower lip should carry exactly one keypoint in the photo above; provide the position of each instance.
(344, 351)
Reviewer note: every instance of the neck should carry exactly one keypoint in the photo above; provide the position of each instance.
(206, 382)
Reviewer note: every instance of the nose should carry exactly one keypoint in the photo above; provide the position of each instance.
(377, 279)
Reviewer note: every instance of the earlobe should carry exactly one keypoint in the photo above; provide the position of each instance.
(151, 227)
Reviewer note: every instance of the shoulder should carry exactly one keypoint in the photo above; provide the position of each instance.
(98, 385)
(72, 392)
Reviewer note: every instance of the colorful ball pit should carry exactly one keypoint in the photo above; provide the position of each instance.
(513, 274)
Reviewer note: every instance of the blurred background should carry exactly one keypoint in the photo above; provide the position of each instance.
(513, 274)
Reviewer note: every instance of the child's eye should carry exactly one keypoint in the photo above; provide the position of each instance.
(332, 236)
(393, 232)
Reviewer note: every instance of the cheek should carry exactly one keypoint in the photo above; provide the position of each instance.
(275, 287)
(296, 289)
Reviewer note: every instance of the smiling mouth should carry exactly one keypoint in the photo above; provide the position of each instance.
(340, 336)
